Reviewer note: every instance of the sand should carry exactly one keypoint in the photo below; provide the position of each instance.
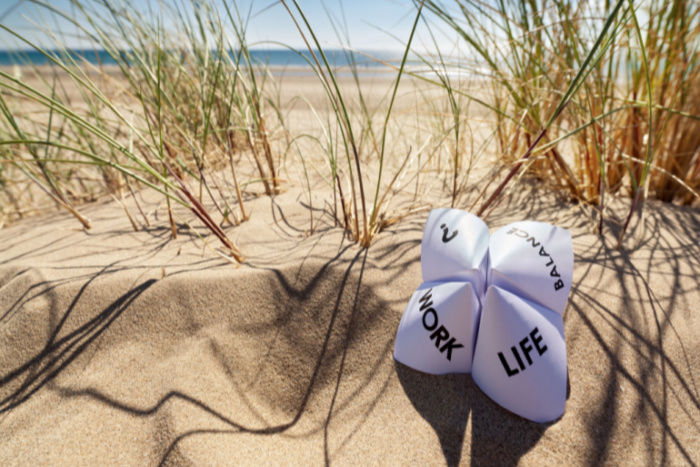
(129, 348)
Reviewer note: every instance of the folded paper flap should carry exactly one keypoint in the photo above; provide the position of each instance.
(454, 246)
(534, 260)
(438, 328)
(520, 356)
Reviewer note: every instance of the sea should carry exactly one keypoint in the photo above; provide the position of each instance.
(295, 61)
(282, 62)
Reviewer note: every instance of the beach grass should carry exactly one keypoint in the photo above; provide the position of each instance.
(593, 100)
(618, 114)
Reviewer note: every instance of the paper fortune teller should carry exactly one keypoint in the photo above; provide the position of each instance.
(493, 307)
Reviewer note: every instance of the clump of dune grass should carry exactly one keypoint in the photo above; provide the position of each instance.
(363, 222)
(591, 99)
(179, 107)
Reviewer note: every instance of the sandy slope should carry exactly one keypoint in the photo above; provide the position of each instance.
(127, 348)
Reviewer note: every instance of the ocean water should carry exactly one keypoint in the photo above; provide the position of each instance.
(279, 61)
(279, 58)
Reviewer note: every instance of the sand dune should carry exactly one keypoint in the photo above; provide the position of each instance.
(128, 348)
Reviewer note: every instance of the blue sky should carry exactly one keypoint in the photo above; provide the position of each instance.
(369, 23)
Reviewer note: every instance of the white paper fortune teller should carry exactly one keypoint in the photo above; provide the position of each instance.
(493, 307)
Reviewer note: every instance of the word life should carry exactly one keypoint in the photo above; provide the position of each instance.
(430, 323)
(445, 238)
(528, 238)
(526, 349)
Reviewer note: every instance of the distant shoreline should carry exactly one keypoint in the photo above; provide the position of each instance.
(278, 71)
(263, 57)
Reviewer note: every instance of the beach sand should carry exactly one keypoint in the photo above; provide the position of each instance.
(130, 348)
